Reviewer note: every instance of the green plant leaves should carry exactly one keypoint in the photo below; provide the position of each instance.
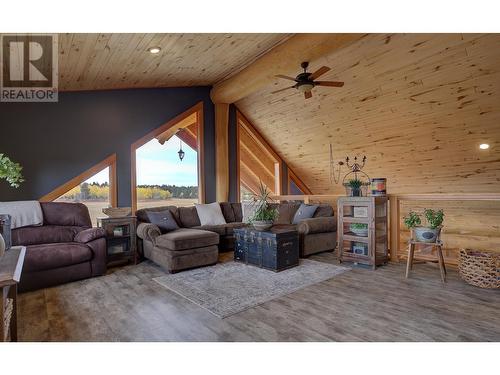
(10, 171)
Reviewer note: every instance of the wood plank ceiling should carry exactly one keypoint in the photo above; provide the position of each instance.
(116, 61)
(417, 106)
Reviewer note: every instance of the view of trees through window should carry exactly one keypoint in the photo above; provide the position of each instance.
(94, 193)
(162, 178)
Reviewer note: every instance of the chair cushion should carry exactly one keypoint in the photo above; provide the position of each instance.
(187, 238)
(44, 234)
(163, 220)
(210, 214)
(55, 255)
(63, 213)
(142, 214)
(305, 211)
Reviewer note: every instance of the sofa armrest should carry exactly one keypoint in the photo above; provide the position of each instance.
(317, 225)
(148, 231)
(90, 234)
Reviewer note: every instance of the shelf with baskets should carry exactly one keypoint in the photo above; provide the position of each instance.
(362, 230)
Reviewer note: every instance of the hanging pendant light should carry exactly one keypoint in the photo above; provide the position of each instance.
(180, 152)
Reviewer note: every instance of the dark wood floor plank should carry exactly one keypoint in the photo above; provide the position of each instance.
(360, 305)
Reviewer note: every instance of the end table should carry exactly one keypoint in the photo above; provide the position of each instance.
(11, 265)
(121, 239)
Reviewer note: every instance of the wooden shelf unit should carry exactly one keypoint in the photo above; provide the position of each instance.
(121, 241)
(374, 246)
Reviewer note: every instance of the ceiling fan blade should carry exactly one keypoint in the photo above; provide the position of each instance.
(329, 83)
(285, 77)
(308, 94)
(286, 88)
(319, 72)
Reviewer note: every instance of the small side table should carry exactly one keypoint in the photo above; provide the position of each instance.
(121, 239)
(411, 253)
(11, 265)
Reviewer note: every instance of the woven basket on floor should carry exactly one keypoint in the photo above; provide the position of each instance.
(479, 268)
(9, 307)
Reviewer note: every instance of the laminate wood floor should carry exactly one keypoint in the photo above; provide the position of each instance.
(360, 305)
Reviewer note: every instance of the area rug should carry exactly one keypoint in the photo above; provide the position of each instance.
(231, 287)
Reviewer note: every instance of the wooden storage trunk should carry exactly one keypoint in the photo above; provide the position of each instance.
(276, 249)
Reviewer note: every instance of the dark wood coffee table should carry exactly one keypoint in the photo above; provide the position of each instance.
(11, 265)
(276, 249)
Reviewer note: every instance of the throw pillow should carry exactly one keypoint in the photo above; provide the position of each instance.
(210, 214)
(163, 220)
(305, 211)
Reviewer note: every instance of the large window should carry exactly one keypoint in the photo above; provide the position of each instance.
(93, 192)
(164, 179)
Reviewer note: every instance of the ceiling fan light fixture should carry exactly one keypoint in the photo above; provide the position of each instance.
(305, 87)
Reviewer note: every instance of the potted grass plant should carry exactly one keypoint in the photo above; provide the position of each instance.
(428, 233)
(359, 229)
(354, 187)
(264, 215)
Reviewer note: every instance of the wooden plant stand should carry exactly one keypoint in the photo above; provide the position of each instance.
(440, 259)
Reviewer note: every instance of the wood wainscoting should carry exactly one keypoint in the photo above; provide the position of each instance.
(459, 231)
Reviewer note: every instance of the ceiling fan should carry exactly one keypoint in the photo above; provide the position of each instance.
(305, 81)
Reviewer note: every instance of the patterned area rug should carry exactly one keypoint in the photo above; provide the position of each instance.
(229, 288)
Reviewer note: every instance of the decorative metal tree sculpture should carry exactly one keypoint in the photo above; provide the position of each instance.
(355, 183)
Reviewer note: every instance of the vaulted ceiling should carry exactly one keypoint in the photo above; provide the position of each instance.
(417, 105)
(114, 61)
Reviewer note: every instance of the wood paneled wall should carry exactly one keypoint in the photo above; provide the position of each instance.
(417, 105)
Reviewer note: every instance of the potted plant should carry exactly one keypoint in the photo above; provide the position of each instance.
(11, 172)
(359, 229)
(264, 215)
(429, 233)
(354, 187)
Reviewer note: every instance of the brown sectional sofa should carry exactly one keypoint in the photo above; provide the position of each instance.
(194, 245)
(65, 248)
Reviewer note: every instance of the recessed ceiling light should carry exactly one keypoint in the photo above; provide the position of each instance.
(154, 50)
(484, 146)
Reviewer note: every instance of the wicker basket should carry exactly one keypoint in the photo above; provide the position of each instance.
(479, 268)
(117, 211)
(9, 307)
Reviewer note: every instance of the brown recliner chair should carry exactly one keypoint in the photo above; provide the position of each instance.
(65, 248)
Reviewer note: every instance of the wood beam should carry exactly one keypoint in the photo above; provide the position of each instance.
(184, 123)
(283, 59)
(222, 152)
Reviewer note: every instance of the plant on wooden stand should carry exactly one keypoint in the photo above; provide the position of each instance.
(354, 187)
(429, 233)
(264, 215)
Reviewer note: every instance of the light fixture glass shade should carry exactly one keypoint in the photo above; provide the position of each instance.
(154, 50)
(180, 152)
(484, 146)
(305, 87)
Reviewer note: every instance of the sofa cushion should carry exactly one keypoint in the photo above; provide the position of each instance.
(305, 211)
(68, 214)
(55, 255)
(44, 234)
(317, 225)
(187, 238)
(231, 226)
(227, 211)
(163, 220)
(210, 214)
(286, 211)
(188, 217)
(324, 210)
(219, 229)
(90, 234)
(142, 214)
(238, 213)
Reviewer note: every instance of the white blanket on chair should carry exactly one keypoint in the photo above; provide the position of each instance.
(23, 213)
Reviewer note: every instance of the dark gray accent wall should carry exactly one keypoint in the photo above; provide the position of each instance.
(55, 142)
